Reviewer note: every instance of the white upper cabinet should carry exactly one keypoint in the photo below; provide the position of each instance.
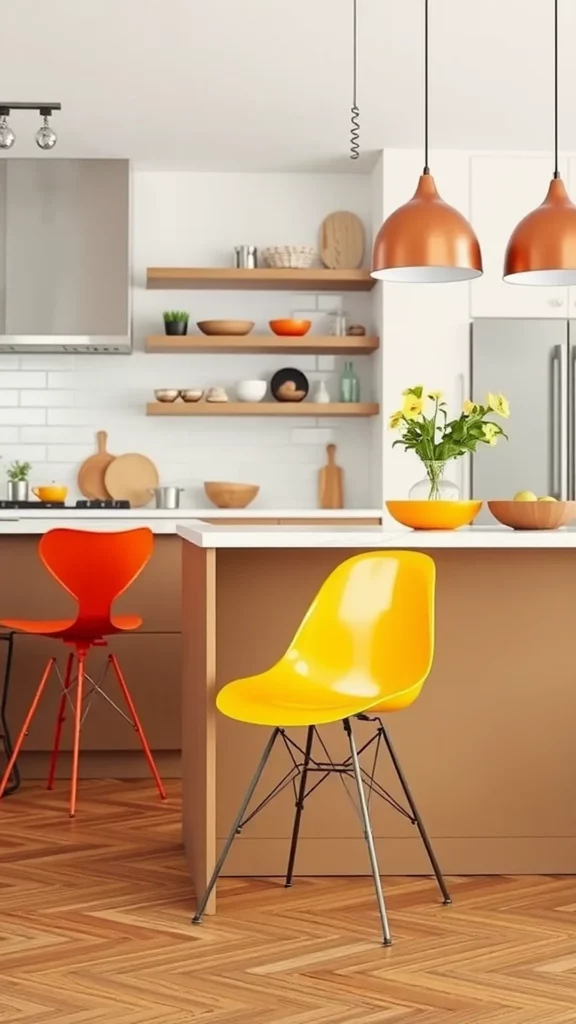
(503, 190)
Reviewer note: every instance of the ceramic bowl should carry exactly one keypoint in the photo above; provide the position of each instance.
(434, 515)
(230, 495)
(191, 394)
(251, 390)
(290, 328)
(533, 515)
(225, 327)
(166, 394)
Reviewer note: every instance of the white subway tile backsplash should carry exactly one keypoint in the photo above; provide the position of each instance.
(70, 452)
(9, 434)
(314, 435)
(25, 417)
(46, 398)
(22, 379)
(56, 435)
(47, 361)
(330, 302)
(8, 398)
(31, 453)
(327, 363)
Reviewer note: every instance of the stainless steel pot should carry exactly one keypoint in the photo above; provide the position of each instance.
(17, 490)
(166, 497)
(246, 257)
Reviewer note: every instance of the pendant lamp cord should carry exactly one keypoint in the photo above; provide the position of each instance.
(556, 171)
(354, 109)
(426, 167)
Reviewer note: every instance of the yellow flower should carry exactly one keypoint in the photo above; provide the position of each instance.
(469, 408)
(412, 407)
(491, 432)
(499, 404)
(435, 395)
(395, 420)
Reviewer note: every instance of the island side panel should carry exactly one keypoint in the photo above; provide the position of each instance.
(199, 713)
(488, 748)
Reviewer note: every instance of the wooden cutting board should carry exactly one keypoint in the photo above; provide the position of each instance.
(130, 477)
(331, 482)
(342, 241)
(91, 473)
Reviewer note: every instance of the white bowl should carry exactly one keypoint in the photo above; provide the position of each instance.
(251, 390)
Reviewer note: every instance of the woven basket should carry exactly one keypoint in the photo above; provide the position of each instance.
(293, 257)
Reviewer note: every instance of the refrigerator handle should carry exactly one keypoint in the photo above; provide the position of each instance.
(556, 412)
(571, 423)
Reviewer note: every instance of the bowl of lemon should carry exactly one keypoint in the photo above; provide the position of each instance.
(527, 511)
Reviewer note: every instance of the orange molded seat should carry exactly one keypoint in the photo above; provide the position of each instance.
(366, 642)
(95, 568)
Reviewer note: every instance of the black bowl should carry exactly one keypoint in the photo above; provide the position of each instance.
(287, 383)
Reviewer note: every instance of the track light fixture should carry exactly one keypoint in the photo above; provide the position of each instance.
(46, 137)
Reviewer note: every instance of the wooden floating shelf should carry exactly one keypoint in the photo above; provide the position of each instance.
(266, 343)
(265, 279)
(203, 408)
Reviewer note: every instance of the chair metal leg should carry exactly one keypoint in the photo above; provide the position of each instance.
(420, 824)
(24, 730)
(77, 725)
(60, 721)
(201, 906)
(130, 703)
(368, 834)
(4, 727)
(299, 806)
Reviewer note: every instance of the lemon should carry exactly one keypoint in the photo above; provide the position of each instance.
(547, 498)
(525, 496)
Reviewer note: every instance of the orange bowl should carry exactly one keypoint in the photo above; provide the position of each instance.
(434, 515)
(290, 328)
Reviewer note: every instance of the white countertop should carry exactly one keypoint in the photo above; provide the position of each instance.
(160, 521)
(205, 535)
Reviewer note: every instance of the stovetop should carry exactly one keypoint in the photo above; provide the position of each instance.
(85, 505)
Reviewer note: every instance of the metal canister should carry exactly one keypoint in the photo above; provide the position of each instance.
(245, 257)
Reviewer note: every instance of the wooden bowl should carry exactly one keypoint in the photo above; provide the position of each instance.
(290, 328)
(225, 495)
(434, 515)
(229, 327)
(533, 515)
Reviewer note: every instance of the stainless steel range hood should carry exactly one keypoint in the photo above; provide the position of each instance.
(65, 256)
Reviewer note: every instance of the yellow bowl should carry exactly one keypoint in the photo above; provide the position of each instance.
(434, 515)
(51, 492)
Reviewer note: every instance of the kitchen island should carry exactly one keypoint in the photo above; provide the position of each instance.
(488, 747)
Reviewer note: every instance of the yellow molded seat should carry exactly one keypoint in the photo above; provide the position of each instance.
(365, 646)
(366, 643)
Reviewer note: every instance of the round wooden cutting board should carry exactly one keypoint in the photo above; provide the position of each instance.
(91, 473)
(342, 241)
(130, 477)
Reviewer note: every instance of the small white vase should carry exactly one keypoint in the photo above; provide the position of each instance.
(322, 395)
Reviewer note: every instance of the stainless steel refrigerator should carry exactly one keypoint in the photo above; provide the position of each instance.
(533, 363)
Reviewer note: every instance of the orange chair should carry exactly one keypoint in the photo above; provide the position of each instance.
(95, 568)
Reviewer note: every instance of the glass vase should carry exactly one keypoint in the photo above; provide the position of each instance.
(433, 487)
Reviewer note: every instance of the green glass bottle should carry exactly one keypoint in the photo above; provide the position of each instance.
(346, 383)
(355, 384)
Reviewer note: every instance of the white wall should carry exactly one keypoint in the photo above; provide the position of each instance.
(51, 405)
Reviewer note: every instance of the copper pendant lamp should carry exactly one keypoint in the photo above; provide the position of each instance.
(426, 241)
(542, 247)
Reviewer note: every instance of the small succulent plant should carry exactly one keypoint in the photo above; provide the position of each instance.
(175, 316)
(18, 471)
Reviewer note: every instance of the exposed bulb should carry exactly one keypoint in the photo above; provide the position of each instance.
(46, 137)
(7, 137)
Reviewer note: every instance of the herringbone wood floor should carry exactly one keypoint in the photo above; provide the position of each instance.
(94, 927)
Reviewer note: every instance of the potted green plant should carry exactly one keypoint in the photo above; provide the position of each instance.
(436, 440)
(18, 473)
(176, 321)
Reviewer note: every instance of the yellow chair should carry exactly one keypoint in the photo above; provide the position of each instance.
(365, 645)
